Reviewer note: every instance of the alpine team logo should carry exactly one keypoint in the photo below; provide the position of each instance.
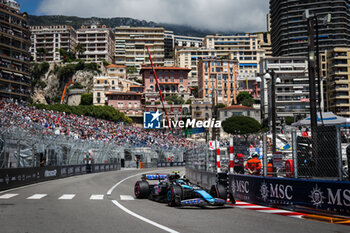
(151, 120)
(317, 197)
(264, 191)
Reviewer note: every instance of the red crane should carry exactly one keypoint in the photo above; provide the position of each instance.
(65, 89)
(157, 82)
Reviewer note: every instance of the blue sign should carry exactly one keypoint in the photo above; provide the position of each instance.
(151, 120)
(194, 131)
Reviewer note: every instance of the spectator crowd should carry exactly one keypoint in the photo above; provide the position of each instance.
(86, 128)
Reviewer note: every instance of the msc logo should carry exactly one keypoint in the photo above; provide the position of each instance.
(151, 120)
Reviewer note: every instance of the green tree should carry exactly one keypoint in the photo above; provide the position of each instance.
(37, 71)
(194, 91)
(245, 99)
(78, 50)
(42, 52)
(77, 85)
(175, 99)
(241, 125)
(248, 102)
(131, 70)
(100, 112)
(86, 99)
(106, 63)
(219, 106)
(289, 120)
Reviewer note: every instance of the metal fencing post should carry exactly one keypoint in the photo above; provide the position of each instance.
(294, 154)
(18, 154)
(339, 149)
(265, 153)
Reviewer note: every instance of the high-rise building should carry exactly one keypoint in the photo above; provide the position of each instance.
(189, 58)
(47, 41)
(130, 46)
(218, 77)
(289, 28)
(338, 81)
(291, 93)
(247, 49)
(98, 43)
(14, 51)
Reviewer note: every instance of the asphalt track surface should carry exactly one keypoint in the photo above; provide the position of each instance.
(79, 211)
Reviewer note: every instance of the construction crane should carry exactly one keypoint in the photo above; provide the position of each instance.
(65, 89)
(157, 82)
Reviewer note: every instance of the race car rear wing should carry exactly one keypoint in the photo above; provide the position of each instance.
(153, 177)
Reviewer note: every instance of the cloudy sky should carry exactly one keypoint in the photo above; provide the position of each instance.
(216, 15)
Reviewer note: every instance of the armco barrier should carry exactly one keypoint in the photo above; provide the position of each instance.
(319, 195)
(205, 179)
(171, 164)
(15, 177)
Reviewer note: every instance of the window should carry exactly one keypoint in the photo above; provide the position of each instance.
(98, 94)
(181, 79)
(112, 82)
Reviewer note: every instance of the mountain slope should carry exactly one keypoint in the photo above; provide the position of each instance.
(76, 22)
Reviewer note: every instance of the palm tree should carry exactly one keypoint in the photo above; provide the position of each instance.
(78, 49)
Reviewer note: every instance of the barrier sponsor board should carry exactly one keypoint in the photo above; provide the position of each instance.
(14, 177)
(332, 196)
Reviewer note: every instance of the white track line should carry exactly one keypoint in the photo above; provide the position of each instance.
(96, 197)
(274, 211)
(36, 196)
(248, 207)
(8, 196)
(143, 218)
(67, 197)
(109, 192)
(134, 214)
(126, 198)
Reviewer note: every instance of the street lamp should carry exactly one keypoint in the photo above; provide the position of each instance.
(270, 75)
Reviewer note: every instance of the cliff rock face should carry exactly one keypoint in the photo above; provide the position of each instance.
(53, 90)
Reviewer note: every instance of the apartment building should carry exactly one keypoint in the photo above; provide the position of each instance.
(171, 42)
(130, 46)
(246, 48)
(98, 43)
(172, 81)
(338, 81)
(217, 80)
(130, 103)
(48, 40)
(201, 109)
(15, 77)
(292, 90)
(189, 58)
(114, 81)
(289, 28)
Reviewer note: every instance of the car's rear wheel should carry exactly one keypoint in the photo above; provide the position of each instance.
(174, 195)
(218, 191)
(141, 189)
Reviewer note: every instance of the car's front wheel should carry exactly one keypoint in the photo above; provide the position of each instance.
(174, 195)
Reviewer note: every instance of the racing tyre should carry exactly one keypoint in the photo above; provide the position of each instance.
(174, 195)
(218, 191)
(141, 189)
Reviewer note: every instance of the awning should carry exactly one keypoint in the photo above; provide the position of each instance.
(329, 118)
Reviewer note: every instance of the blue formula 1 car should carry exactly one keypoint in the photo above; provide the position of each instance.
(178, 191)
